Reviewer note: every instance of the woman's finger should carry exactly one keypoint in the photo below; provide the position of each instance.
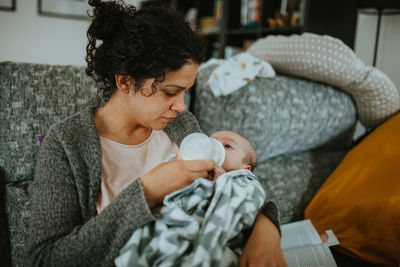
(178, 153)
(200, 165)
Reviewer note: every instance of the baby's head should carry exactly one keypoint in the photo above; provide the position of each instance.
(239, 153)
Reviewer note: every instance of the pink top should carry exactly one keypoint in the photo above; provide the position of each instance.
(122, 164)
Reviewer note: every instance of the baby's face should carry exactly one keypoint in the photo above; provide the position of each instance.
(235, 150)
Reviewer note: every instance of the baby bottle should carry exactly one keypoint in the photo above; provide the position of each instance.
(200, 146)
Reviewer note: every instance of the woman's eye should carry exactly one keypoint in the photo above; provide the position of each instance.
(170, 94)
(228, 146)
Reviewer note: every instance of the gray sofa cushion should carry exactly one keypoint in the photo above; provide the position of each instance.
(18, 213)
(5, 257)
(292, 180)
(278, 115)
(33, 97)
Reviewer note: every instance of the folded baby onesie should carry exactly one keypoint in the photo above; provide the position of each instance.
(236, 72)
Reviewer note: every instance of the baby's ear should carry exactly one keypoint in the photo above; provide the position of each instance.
(247, 167)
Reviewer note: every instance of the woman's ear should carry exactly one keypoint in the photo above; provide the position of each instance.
(124, 83)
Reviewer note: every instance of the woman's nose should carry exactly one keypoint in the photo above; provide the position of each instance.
(179, 104)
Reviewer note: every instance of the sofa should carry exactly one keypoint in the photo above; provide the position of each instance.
(34, 96)
(301, 129)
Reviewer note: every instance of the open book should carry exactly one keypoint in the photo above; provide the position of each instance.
(302, 245)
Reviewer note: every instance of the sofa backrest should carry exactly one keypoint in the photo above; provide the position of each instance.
(32, 98)
(279, 115)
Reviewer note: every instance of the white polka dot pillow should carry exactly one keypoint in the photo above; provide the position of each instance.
(327, 59)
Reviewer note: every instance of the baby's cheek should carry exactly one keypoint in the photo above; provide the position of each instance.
(225, 165)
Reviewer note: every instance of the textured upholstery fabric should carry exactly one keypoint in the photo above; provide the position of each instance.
(292, 180)
(327, 59)
(18, 212)
(279, 115)
(34, 97)
(5, 256)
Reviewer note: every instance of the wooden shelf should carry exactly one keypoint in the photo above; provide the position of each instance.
(266, 30)
(211, 34)
(320, 17)
(242, 31)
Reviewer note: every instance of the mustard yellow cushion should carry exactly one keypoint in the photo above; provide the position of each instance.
(360, 201)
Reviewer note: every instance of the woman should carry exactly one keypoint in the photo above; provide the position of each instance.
(100, 171)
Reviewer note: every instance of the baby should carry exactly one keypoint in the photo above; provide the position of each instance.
(239, 153)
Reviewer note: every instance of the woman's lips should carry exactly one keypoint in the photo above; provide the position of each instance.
(169, 119)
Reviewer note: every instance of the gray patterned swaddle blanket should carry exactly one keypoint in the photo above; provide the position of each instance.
(197, 224)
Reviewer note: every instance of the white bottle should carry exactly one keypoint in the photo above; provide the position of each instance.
(200, 146)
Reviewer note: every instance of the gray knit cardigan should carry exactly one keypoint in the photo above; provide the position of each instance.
(65, 229)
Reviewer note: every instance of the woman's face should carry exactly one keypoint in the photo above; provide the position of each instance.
(156, 110)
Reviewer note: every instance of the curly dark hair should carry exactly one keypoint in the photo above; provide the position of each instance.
(145, 43)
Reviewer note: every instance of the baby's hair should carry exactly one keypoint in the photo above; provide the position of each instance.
(145, 43)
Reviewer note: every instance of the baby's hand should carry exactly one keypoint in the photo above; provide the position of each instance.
(217, 171)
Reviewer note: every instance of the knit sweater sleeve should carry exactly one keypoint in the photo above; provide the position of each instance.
(61, 232)
(270, 210)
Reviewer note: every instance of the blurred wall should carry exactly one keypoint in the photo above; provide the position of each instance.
(27, 37)
(388, 56)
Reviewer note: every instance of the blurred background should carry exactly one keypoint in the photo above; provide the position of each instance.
(54, 31)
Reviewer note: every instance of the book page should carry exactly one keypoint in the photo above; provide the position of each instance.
(302, 246)
(299, 234)
(312, 255)
(332, 240)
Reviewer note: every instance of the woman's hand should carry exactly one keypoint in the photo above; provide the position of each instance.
(263, 247)
(171, 176)
(211, 175)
